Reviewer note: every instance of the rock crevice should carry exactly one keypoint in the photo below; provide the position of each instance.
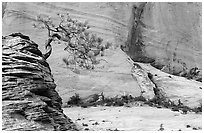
(135, 45)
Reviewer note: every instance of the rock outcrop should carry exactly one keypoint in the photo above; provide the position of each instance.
(144, 82)
(29, 99)
(175, 88)
(168, 35)
(112, 76)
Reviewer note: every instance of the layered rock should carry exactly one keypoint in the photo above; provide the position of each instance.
(168, 35)
(29, 99)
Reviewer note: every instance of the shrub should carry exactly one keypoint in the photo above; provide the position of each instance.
(108, 101)
(197, 109)
(74, 100)
(140, 98)
(118, 102)
(95, 97)
(193, 73)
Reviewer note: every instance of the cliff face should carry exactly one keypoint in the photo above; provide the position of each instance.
(160, 33)
(108, 20)
(168, 35)
(29, 99)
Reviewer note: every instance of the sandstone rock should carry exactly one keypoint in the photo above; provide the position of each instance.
(112, 77)
(175, 87)
(29, 99)
(146, 85)
(169, 34)
(166, 35)
(107, 19)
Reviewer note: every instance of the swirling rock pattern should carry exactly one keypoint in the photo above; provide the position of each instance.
(108, 20)
(29, 99)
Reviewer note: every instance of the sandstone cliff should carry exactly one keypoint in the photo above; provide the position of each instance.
(29, 99)
(163, 37)
(108, 20)
(168, 35)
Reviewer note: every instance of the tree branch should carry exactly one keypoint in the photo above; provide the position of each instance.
(48, 46)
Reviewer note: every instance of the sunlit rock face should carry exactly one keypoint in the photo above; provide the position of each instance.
(175, 88)
(168, 35)
(108, 20)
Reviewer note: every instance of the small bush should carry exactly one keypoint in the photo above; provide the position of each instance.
(140, 98)
(74, 100)
(197, 109)
(108, 101)
(193, 73)
(160, 102)
(118, 102)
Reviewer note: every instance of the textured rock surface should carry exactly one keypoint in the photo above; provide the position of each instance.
(141, 77)
(112, 77)
(174, 87)
(29, 99)
(169, 33)
(162, 32)
(108, 20)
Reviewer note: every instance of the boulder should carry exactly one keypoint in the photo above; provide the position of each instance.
(29, 98)
(175, 88)
(142, 79)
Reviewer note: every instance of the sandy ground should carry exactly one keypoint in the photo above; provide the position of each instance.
(133, 119)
